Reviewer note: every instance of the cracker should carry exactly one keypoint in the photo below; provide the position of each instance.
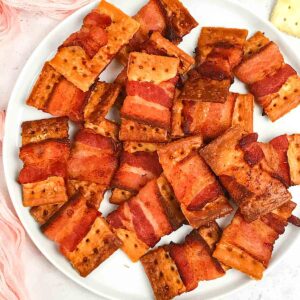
(119, 196)
(132, 147)
(106, 128)
(49, 191)
(74, 64)
(286, 16)
(151, 68)
(102, 98)
(163, 274)
(176, 128)
(286, 99)
(236, 258)
(294, 158)
(93, 192)
(98, 245)
(40, 130)
(43, 213)
(132, 245)
(179, 20)
(205, 90)
(185, 61)
(43, 87)
(170, 203)
(255, 43)
(134, 131)
(243, 112)
(211, 36)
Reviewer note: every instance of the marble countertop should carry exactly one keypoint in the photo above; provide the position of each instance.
(46, 282)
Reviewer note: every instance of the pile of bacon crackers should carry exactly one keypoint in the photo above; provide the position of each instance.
(182, 146)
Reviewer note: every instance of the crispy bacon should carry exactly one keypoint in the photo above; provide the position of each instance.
(136, 169)
(261, 64)
(294, 220)
(272, 84)
(92, 35)
(34, 173)
(144, 215)
(71, 223)
(281, 146)
(207, 118)
(150, 92)
(66, 100)
(93, 158)
(94, 18)
(44, 152)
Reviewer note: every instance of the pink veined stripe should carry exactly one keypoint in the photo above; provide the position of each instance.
(12, 240)
(53, 8)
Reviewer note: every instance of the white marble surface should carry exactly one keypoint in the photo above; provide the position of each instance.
(47, 283)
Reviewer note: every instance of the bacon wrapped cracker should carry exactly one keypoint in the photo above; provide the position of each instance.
(211, 119)
(141, 221)
(177, 268)
(134, 171)
(235, 159)
(93, 158)
(106, 128)
(229, 39)
(275, 84)
(86, 53)
(219, 51)
(194, 185)
(248, 247)
(71, 223)
(163, 274)
(150, 90)
(96, 246)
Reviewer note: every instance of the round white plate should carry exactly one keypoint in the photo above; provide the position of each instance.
(117, 277)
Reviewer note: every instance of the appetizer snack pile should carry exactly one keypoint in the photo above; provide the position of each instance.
(181, 148)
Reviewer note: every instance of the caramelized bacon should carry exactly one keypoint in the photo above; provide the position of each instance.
(92, 35)
(143, 216)
(66, 100)
(71, 223)
(261, 64)
(272, 84)
(136, 169)
(93, 158)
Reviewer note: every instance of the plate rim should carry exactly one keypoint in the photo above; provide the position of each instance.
(74, 277)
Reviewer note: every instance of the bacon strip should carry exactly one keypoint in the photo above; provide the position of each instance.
(71, 223)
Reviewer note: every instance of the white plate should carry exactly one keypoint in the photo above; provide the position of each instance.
(117, 277)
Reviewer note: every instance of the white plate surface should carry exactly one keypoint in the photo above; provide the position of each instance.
(117, 277)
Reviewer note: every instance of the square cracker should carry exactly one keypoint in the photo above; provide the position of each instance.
(74, 64)
(105, 128)
(151, 68)
(163, 274)
(43, 87)
(49, 191)
(95, 247)
(286, 16)
(40, 130)
(255, 43)
(134, 131)
(119, 196)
